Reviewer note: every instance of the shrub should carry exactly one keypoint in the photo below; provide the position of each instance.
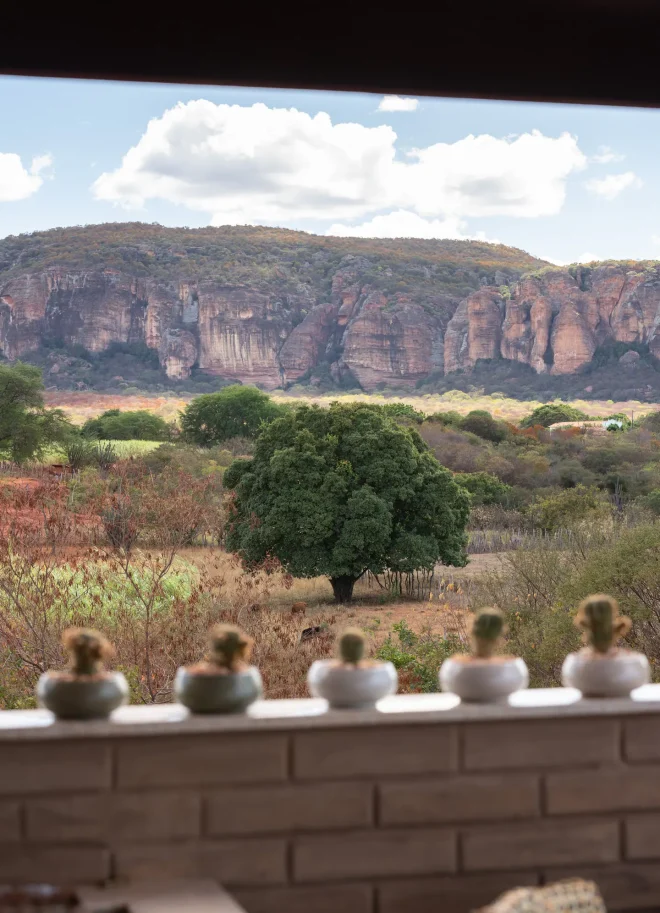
(115, 425)
(235, 411)
(553, 413)
(403, 410)
(79, 454)
(483, 424)
(567, 507)
(418, 657)
(453, 419)
(484, 487)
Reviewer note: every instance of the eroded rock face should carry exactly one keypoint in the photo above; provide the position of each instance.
(353, 327)
(554, 322)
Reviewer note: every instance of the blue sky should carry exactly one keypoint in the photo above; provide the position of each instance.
(562, 182)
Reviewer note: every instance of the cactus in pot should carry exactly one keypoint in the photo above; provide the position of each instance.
(85, 690)
(225, 682)
(351, 681)
(601, 668)
(484, 676)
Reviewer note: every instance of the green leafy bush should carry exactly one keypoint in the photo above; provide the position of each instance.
(483, 424)
(564, 508)
(553, 413)
(484, 487)
(418, 657)
(115, 425)
(235, 411)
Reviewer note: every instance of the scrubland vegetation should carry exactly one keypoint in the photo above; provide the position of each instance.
(159, 538)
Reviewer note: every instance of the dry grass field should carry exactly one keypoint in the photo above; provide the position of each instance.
(80, 406)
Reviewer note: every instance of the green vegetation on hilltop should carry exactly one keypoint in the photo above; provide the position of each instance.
(283, 260)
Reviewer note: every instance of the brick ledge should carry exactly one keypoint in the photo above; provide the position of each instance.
(287, 715)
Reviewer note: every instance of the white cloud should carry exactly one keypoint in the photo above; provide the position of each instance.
(588, 257)
(16, 182)
(278, 166)
(397, 103)
(612, 185)
(404, 224)
(605, 155)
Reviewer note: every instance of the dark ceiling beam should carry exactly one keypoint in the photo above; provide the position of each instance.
(589, 51)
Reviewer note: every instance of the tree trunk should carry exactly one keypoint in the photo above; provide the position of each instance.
(342, 587)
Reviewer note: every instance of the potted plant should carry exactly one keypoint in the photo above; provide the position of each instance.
(225, 682)
(602, 669)
(483, 676)
(85, 690)
(351, 681)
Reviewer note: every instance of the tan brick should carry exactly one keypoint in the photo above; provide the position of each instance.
(606, 790)
(643, 837)
(347, 898)
(23, 863)
(303, 807)
(232, 862)
(374, 854)
(626, 886)
(54, 767)
(128, 816)
(642, 739)
(200, 760)
(459, 799)
(540, 743)
(371, 752)
(447, 895)
(521, 846)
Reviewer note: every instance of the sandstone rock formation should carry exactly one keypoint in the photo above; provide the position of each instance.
(555, 320)
(272, 308)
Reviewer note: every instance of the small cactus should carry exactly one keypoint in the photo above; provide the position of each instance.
(87, 650)
(230, 647)
(599, 620)
(487, 631)
(351, 646)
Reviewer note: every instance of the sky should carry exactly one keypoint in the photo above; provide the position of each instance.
(564, 182)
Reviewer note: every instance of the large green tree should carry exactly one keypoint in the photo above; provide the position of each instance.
(340, 491)
(26, 426)
(235, 411)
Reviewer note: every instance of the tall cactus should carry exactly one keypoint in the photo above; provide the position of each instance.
(230, 647)
(351, 646)
(597, 617)
(487, 631)
(87, 650)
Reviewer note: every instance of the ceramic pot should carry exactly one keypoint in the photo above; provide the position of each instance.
(231, 692)
(613, 674)
(82, 698)
(348, 686)
(483, 681)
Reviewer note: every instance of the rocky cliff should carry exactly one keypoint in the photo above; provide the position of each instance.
(260, 306)
(274, 307)
(555, 319)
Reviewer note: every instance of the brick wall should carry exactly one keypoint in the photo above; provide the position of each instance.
(438, 808)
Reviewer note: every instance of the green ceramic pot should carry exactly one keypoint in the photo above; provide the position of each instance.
(83, 698)
(222, 693)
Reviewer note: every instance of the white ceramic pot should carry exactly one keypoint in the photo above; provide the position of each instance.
(483, 681)
(613, 674)
(351, 686)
